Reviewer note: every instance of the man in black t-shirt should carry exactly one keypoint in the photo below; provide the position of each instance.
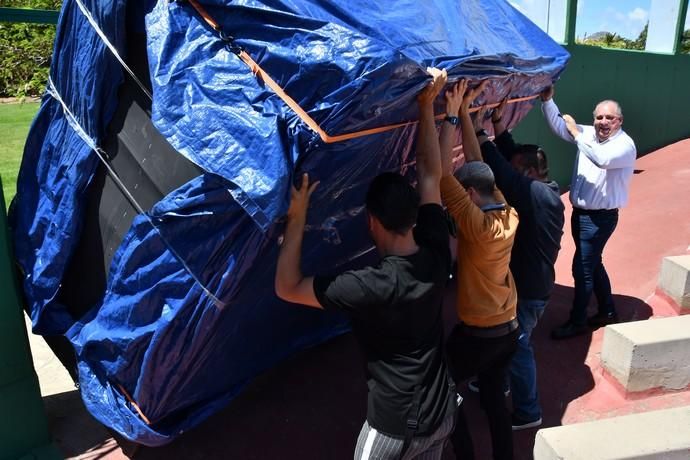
(395, 305)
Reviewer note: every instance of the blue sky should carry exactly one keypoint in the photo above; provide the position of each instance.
(626, 18)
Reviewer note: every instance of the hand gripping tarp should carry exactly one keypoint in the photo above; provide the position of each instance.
(188, 314)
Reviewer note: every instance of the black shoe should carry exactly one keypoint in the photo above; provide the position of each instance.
(602, 319)
(473, 385)
(522, 424)
(568, 330)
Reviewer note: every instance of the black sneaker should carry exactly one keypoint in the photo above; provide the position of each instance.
(602, 319)
(568, 330)
(522, 424)
(473, 385)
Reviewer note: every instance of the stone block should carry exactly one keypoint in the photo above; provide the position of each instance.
(645, 355)
(674, 280)
(663, 434)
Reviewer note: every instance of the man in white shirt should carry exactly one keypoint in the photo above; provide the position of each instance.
(603, 168)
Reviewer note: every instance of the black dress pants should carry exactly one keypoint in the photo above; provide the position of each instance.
(488, 359)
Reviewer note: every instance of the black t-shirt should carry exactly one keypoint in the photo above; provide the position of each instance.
(396, 317)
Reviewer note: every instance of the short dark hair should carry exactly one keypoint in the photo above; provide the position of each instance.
(478, 175)
(393, 201)
(533, 156)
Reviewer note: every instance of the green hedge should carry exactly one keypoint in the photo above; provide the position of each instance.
(25, 51)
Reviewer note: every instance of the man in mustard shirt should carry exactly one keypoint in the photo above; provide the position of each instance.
(485, 338)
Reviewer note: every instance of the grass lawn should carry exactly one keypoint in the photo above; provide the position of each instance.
(15, 120)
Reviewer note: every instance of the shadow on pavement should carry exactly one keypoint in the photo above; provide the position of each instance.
(312, 406)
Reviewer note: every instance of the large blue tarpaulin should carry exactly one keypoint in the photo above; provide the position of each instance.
(188, 314)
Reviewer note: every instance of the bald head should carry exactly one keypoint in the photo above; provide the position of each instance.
(608, 119)
(615, 105)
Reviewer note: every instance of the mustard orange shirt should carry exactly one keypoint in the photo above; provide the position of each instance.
(486, 290)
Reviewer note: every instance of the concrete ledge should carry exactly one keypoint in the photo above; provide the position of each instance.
(674, 280)
(660, 434)
(645, 355)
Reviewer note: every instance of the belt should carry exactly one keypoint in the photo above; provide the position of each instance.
(492, 331)
(595, 211)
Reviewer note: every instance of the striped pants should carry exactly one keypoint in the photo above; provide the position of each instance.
(377, 446)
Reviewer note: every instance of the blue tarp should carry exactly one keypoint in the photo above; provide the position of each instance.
(189, 315)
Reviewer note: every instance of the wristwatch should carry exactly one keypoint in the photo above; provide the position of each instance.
(452, 120)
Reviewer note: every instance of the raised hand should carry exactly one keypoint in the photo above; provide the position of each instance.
(479, 119)
(299, 197)
(454, 97)
(428, 94)
(497, 113)
(471, 94)
(547, 94)
(571, 124)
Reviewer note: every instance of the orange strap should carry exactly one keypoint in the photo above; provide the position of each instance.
(135, 405)
(301, 113)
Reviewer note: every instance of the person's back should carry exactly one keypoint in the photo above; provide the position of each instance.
(537, 200)
(486, 289)
(395, 308)
(538, 241)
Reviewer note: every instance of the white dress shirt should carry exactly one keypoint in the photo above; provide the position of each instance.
(603, 170)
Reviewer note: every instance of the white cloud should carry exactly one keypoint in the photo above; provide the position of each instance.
(628, 25)
(638, 14)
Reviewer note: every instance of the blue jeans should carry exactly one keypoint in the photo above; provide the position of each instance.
(523, 369)
(591, 230)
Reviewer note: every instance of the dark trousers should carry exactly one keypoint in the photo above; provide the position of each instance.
(591, 230)
(488, 359)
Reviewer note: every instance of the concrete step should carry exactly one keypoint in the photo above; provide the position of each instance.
(648, 355)
(663, 434)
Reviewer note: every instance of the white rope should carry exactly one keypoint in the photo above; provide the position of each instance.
(100, 33)
(74, 123)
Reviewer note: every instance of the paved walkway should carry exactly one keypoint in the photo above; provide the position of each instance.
(312, 406)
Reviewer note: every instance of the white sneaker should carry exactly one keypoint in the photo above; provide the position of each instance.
(520, 424)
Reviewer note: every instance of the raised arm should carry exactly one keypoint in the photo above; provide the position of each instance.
(290, 284)
(470, 144)
(428, 149)
(449, 130)
(497, 118)
(504, 140)
(553, 116)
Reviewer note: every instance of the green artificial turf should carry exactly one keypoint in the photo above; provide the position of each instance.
(15, 120)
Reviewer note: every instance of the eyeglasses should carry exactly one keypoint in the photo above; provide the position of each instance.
(608, 117)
